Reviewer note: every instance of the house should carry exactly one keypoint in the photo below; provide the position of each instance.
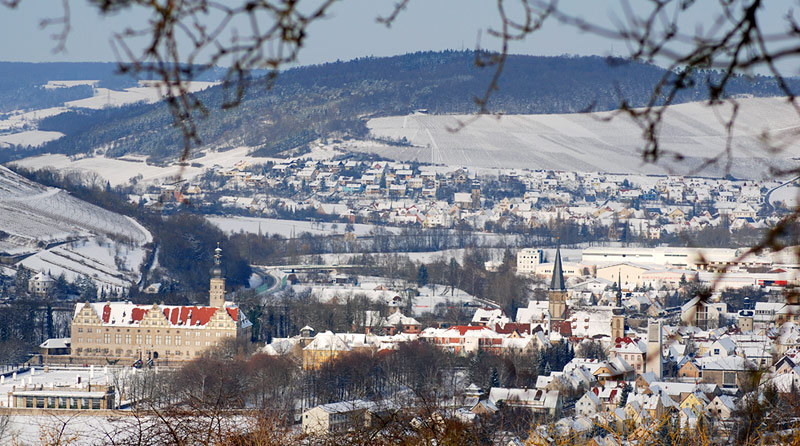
(589, 404)
(464, 339)
(721, 407)
(323, 348)
(40, 284)
(616, 369)
(336, 417)
(537, 400)
(689, 369)
(403, 323)
(633, 351)
(728, 372)
(696, 402)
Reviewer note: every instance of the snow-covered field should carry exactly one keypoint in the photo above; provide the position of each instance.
(584, 142)
(120, 170)
(112, 266)
(788, 194)
(285, 228)
(29, 138)
(22, 124)
(149, 92)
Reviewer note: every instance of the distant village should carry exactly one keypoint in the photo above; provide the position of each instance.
(627, 206)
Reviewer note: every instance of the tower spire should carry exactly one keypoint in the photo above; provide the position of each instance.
(557, 283)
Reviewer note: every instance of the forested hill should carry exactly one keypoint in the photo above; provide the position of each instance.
(336, 99)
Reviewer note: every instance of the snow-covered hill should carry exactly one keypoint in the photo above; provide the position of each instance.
(587, 142)
(19, 128)
(47, 229)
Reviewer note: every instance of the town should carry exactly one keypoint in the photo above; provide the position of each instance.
(620, 344)
(644, 209)
(399, 223)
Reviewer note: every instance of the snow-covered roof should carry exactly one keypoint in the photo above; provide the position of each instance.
(327, 341)
(55, 343)
(128, 314)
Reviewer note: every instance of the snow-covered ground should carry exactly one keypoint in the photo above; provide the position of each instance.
(426, 302)
(112, 266)
(787, 194)
(584, 142)
(64, 234)
(20, 127)
(32, 138)
(119, 171)
(285, 228)
(149, 92)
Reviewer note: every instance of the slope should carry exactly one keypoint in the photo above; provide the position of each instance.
(335, 100)
(46, 229)
(588, 142)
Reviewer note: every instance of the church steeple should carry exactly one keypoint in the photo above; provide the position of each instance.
(557, 282)
(557, 296)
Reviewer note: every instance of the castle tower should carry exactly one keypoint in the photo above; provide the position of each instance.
(216, 291)
(557, 296)
(654, 360)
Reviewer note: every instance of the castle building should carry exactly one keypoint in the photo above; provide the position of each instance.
(109, 331)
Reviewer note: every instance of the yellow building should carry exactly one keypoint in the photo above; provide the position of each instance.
(324, 347)
(108, 331)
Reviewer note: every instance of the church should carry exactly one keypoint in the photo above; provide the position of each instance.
(105, 332)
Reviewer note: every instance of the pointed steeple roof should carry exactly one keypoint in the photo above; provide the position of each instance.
(557, 282)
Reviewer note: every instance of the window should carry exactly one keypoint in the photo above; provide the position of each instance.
(138, 339)
(177, 340)
(118, 338)
(168, 340)
(158, 339)
(148, 339)
(127, 338)
(728, 378)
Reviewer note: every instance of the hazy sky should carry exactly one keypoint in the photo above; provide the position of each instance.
(351, 30)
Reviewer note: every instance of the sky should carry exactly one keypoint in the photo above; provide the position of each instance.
(351, 30)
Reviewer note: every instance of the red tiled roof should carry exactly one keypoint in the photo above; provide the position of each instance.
(463, 329)
(233, 313)
(137, 314)
(106, 313)
(197, 315)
